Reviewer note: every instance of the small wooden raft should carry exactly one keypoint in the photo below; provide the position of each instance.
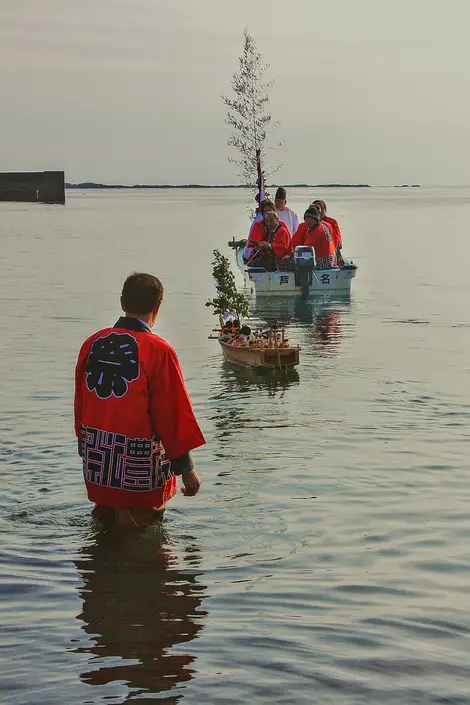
(268, 348)
(274, 358)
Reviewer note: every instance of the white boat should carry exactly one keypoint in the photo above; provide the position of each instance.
(305, 281)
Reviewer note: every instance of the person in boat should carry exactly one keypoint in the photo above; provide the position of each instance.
(316, 233)
(133, 417)
(265, 204)
(257, 218)
(337, 237)
(269, 241)
(263, 207)
(285, 214)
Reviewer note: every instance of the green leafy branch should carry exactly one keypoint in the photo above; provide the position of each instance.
(228, 299)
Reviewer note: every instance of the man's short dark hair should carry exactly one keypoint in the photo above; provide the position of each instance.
(141, 293)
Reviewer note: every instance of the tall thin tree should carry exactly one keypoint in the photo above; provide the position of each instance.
(248, 114)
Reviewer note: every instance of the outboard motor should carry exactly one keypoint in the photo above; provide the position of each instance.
(304, 261)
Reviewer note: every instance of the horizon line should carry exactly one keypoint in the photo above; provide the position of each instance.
(99, 185)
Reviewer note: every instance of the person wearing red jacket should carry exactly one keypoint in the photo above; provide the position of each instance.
(270, 242)
(264, 207)
(318, 235)
(133, 417)
(337, 237)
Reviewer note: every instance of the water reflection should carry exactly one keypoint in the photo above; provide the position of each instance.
(239, 379)
(291, 309)
(327, 331)
(137, 605)
(242, 400)
(319, 325)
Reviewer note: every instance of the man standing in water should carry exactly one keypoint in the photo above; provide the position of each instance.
(285, 214)
(133, 417)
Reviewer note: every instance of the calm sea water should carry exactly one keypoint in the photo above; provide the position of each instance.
(326, 559)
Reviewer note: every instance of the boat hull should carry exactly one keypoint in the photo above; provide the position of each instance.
(272, 358)
(323, 281)
(281, 283)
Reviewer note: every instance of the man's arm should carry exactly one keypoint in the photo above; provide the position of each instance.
(173, 420)
(281, 244)
(254, 238)
(171, 412)
(295, 223)
(297, 238)
(339, 237)
(80, 371)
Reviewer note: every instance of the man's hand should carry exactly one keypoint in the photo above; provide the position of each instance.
(191, 483)
(263, 247)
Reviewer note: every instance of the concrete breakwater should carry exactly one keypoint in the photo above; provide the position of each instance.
(33, 186)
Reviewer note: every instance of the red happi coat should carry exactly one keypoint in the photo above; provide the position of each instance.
(133, 416)
(280, 239)
(336, 232)
(320, 238)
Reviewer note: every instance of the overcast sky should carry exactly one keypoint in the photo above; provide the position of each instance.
(128, 91)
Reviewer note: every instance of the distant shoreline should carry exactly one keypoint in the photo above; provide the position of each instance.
(92, 185)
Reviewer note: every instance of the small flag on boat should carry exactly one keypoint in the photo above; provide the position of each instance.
(261, 189)
(229, 316)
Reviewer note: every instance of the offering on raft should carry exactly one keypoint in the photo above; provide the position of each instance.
(243, 336)
(256, 348)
